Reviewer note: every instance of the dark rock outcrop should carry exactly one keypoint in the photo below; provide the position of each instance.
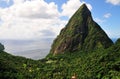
(81, 33)
(1, 47)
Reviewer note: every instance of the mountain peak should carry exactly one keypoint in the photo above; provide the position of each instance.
(84, 6)
(81, 33)
(83, 10)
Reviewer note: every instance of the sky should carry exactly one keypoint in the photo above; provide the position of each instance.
(42, 19)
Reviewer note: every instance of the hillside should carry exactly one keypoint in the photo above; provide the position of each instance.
(100, 64)
(88, 52)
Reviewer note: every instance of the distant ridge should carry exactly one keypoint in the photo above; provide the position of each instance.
(81, 33)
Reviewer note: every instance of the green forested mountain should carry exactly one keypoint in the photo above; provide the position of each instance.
(88, 53)
(81, 33)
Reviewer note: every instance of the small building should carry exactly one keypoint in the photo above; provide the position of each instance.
(74, 76)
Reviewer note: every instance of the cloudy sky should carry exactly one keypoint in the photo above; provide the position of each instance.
(38, 19)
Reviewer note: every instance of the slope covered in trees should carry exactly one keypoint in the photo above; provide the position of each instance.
(99, 64)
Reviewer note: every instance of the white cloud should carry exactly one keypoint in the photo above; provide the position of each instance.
(28, 19)
(114, 2)
(107, 15)
(19, 1)
(98, 20)
(34, 9)
(34, 19)
(71, 6)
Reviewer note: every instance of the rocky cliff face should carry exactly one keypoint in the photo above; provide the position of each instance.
(81, 33)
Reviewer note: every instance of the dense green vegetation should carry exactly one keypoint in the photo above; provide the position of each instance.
(98, 64)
